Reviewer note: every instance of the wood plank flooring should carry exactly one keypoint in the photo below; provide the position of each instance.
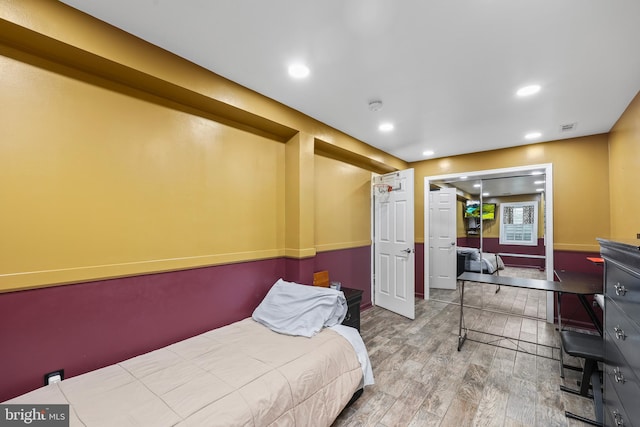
(422, 380)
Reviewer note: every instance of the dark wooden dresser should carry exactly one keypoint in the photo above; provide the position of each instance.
(621, 333)
(354, 298)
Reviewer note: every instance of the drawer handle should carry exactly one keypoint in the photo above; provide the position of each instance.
(619, 333)
(620, 289)
(617, 375)
(617, 418)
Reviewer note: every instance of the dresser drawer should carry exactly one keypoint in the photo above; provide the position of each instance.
(621, 374)
(623, 381)
(622, 333)
(623, 287)
(615, 414)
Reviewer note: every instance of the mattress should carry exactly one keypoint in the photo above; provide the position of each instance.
(490, 263)
(243, 374)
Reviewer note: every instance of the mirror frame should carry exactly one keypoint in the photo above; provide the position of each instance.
(548, 214)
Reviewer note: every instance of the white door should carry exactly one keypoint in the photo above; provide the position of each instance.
(393, 242)
(442, 239)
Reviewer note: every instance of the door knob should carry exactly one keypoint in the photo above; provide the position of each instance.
(407, 251)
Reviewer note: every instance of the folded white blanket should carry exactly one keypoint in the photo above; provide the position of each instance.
(294, 309)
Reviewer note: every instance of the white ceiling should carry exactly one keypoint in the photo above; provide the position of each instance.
(497, 184)
(446, 71)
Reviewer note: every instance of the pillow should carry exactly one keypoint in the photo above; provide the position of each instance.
(294, 309)
(471, 253)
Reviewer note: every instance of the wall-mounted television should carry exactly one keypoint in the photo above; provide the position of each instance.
(472, 210)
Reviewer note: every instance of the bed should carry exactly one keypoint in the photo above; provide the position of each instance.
(471, 260)
(243, 374)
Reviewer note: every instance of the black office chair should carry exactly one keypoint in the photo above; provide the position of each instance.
(591, 349)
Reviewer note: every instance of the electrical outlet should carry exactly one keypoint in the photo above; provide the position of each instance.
(54, 377)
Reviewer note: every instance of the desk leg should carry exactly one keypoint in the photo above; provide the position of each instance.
(559, 299)
(497, 274)
(559, 304)
(591, 313)
(597, 402)
(461, 338)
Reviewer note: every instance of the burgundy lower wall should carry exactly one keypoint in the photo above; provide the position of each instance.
(351, 267)
(576, 261)
(572, 310)
(86, 326)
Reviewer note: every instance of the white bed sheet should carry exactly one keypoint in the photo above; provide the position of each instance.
(295, 309)
(354, 338)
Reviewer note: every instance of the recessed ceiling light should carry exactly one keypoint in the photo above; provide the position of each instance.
(385, 127)
(463, 177)
(539, 182)
(485, 194)
(533, 135)
(298, 71)
(528, 90)
(539, 189)
(428, 153)
(537, 173)
(477, 185)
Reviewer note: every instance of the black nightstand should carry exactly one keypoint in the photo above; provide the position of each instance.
(354, 297)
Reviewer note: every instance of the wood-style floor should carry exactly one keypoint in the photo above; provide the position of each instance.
(422, 380)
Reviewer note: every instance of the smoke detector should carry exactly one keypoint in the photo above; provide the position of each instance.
(375, 105)
(568, 127)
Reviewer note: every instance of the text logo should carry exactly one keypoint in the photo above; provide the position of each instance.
(34, 415)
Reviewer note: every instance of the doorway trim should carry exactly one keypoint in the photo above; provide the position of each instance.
(548, 218)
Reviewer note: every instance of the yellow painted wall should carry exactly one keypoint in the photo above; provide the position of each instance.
(343, 205)
(94, 178)
(118, 158)
(624, 167)
(580, 175)
(299, 209)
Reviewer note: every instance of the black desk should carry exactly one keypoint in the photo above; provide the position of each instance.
(570, 287)
(575, 279)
